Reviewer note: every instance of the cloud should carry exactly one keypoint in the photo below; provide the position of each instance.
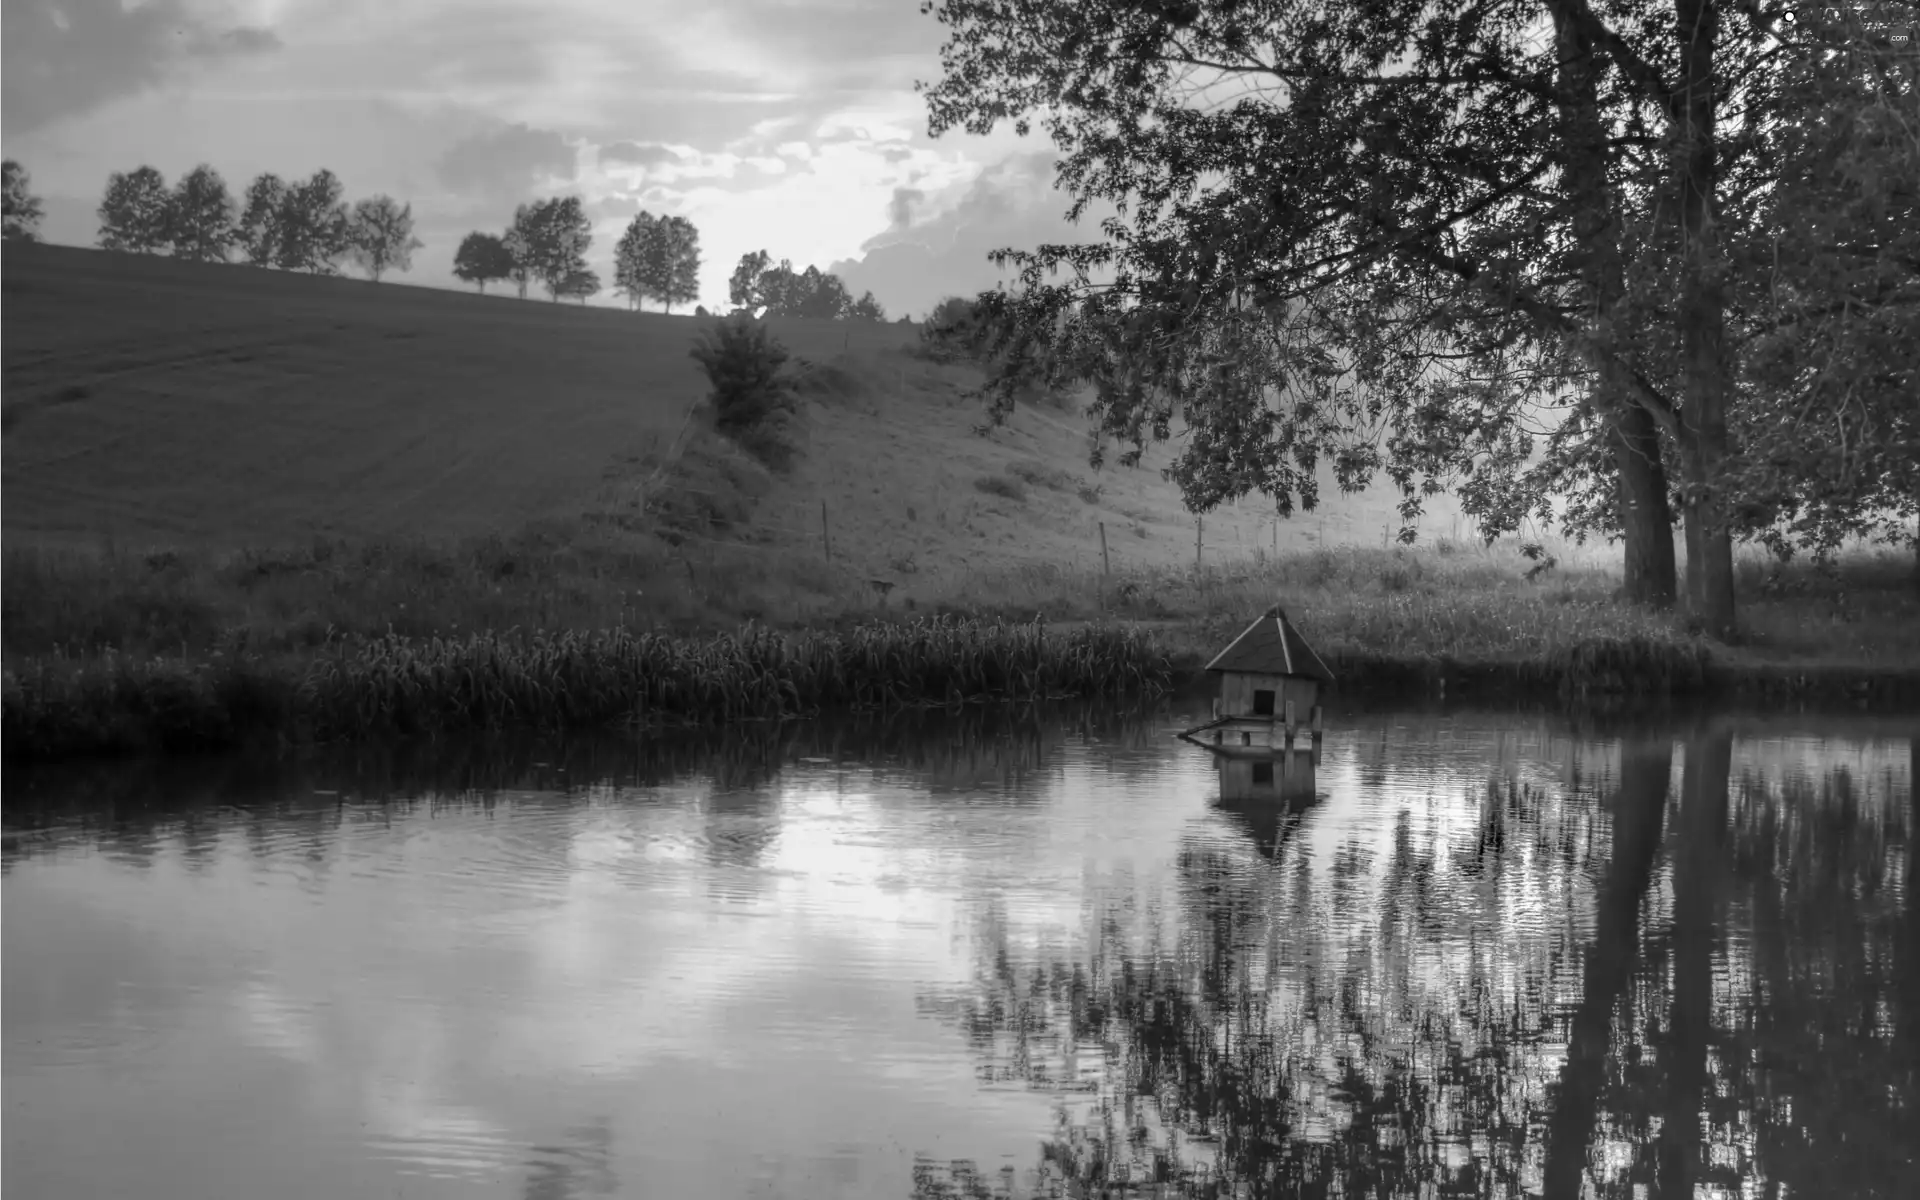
(900, 208)
(69, 58)
(912, 266)
(633, 154)
(507, 162)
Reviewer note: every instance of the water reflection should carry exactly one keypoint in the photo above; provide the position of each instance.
(1007, 953)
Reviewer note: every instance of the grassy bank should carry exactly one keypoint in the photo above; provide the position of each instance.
(585, 625)
(398, 685)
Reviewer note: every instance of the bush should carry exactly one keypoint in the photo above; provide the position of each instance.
(1001, 485)
(952, 331)
(700, 310)
(750, 383)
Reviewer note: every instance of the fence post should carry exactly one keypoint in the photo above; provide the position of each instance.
(826, 539)
(1106, 564)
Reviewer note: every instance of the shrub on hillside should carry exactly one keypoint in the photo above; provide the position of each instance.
(752, 393)
(952, 331)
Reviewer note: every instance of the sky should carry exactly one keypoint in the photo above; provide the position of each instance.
(785, 125)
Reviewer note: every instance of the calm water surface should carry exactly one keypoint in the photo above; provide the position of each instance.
(1039, 954)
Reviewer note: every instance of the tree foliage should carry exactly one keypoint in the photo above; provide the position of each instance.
(580, 284)
(315, 227)
(1394, 237)
(628, 254)
(201, 220)
(135, 213)
(482, 258)
(784, 292)
(745, 365)
(549, 241)
(866, 308)
(20, 218)
(381, 231)
(262, 216)
(1827, 431)
(743, 284)
(658, 258)
(519, 247)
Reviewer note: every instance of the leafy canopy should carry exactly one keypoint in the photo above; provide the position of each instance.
(382, 236)
(22, 210)
(482, 258)
(201, 226)
(135, 214)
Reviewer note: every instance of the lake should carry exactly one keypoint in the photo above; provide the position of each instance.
(1014, 953)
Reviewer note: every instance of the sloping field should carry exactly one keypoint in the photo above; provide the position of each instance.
(154, 402)
(914, 497)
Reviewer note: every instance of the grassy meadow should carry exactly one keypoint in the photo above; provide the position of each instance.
(240, 503)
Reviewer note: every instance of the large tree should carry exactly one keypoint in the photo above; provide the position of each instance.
(262, 219)
(1408, 229)
(482, 258)
(550, 239)
(381, 232)
(23, 210)
(136, 212)
(201, 225)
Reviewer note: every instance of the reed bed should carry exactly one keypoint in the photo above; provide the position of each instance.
(398, 685)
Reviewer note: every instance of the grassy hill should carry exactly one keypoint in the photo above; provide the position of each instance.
(155, 403)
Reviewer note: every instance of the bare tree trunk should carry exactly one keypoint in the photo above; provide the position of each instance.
(1646, 520)
(1702, 321)
(1640, 479)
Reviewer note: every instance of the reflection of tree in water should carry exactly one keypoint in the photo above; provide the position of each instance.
(580, 1165)
(1732, 1007)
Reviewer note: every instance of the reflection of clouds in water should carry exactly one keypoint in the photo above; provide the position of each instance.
(387, 1067)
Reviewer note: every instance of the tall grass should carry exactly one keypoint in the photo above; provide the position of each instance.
(1367, 609)
(399, 685)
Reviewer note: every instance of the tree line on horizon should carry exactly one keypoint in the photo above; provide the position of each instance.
(657, 258)
(303, 225)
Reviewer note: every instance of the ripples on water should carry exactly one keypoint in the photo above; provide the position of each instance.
(1002, 955)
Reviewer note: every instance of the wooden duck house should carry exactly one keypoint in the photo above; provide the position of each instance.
(1269, 691)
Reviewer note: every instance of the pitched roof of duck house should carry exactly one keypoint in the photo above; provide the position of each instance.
(1271, 646)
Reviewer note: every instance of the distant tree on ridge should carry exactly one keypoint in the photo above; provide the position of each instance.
(381, 231)
(136, 212)
(262, 218)
(483, 258)
(23, 209)
(200, 223)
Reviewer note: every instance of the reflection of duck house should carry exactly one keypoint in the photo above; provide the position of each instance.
(1283, 777)
(1270, 681)
(1268, 798)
